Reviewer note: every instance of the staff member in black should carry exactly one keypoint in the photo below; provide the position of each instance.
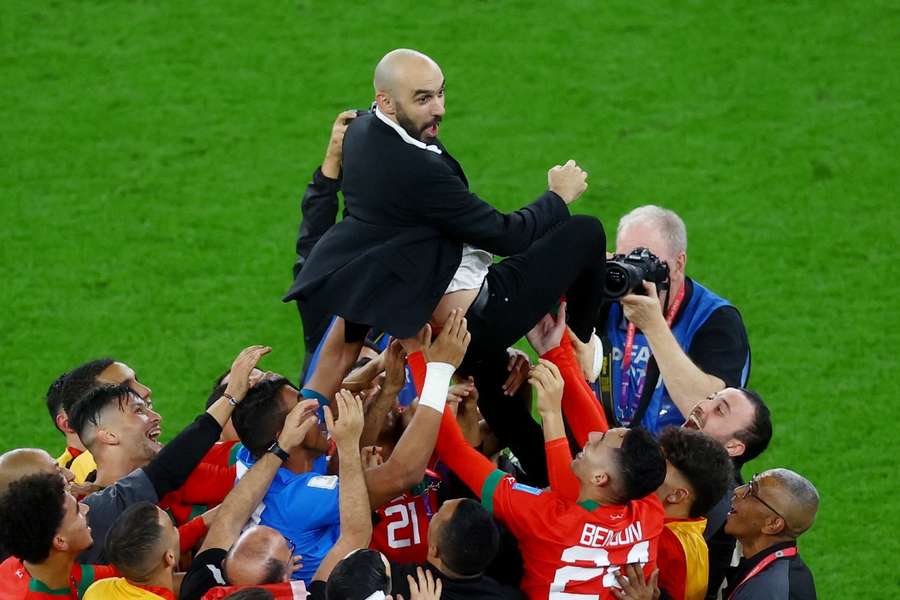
(415, 242)
(768, 514)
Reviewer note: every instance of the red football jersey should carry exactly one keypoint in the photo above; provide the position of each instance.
(401, 532)
(17, 584)
(573, 550)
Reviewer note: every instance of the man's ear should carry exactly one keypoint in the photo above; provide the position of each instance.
(62, 422)
(170, 560)
(385, 103)
(677, 496)
(60, 543)
(600, 479)
(773, 525)
(107, 438)
(681, 262)
(735, 447)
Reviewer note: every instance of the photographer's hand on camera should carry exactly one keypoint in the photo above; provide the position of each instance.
(645, 311)
(331, 165)
(568, 181)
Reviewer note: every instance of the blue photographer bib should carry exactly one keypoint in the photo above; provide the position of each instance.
(661, 412)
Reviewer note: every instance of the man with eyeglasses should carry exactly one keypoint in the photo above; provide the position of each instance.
(768, 514)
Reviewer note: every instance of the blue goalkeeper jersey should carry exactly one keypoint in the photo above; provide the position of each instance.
(304, 508)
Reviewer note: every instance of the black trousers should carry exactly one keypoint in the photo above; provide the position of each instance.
(568, 260)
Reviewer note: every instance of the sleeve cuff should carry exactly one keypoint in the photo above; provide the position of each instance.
(322, 180)
(437, 382)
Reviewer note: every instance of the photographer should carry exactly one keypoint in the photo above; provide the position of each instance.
(685, 342)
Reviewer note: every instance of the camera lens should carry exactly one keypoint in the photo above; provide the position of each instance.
(616, 282)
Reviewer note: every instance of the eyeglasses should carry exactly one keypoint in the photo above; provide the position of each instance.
(291, 545)
(751, 489)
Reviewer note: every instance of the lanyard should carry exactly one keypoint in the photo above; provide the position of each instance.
(787, 552)
(629, 345)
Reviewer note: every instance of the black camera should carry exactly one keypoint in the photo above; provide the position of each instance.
(625, 274)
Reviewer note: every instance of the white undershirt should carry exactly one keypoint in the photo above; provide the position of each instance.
(473, 268)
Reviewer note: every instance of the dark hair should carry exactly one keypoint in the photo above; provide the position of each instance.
(133, 540)
(358, 576)
(87, 410)
(55, 399)
(80, 380)
(275, 571)
(469, 540)
(252, 593)
(260, 416)
(641, 463)
(218, 387)
(31, 512)
(758, 434)
(703, 461)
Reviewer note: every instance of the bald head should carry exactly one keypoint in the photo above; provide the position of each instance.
(798, 497)
(396, 67)
(20, 462)
(260, 556)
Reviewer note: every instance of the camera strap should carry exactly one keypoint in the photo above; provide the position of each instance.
(643, 392)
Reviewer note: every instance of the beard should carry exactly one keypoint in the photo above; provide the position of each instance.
(415, 131)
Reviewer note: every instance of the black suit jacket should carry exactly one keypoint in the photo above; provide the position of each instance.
(408, 212)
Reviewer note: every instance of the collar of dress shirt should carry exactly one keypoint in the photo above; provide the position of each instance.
(405, 136)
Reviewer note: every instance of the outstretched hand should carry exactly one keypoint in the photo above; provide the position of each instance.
(450, 346)
(634, 586)
(239, 377)
(548, 332)
(297, 424)
(547, 381)
(331, 165)
(348, 426)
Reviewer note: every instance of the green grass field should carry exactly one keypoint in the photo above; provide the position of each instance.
(153, 155)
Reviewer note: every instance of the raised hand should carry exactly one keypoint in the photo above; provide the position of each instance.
(518, 366)
(568, 181)
(349, 424)
(548, 332)
(331, 165)
(426, 588)
(241, 368)
(394, 366)
(547, 381)
(297, 424)
(633, 586)
(450, 346)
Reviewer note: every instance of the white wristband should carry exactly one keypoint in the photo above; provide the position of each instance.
(437, 383)
(597, 365)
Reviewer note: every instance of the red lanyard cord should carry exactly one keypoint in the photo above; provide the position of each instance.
(765, 562)
(629, 344)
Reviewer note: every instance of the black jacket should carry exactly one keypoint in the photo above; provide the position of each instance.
(788, 578)
(409, 211)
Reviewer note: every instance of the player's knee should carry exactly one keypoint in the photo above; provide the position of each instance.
(589, 231)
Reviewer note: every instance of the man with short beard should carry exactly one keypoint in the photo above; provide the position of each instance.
(416, 243)
(738, 419)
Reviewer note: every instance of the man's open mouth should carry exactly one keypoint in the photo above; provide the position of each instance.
(693, 422)
(153, 434)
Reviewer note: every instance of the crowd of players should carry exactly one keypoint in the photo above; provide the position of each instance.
(404, 468)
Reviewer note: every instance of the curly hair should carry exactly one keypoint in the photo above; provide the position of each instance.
(703, 461)
(642, 466)
(31, 512)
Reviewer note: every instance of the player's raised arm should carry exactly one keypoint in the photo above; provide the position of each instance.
(406, 466)
(579, 405)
